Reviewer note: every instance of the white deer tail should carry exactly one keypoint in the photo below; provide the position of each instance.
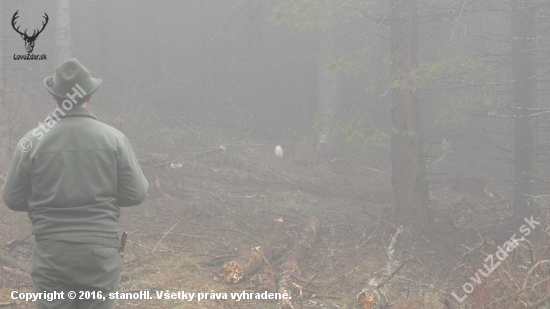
(279, 151)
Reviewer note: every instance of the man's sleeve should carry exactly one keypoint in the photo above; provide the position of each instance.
(132, 185)
(17, 187)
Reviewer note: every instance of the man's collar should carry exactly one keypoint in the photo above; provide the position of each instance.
(75, 111)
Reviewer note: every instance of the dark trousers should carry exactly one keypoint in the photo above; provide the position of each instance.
(83, 268)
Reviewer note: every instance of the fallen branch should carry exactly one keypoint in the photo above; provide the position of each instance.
(371, 297)
(266, 280)
(531, 271)
(326, 296)
(8, 304)
(163, 236)
(16, 272)
(8, 259)
(198, 236)
(299, 251)
(250, 262)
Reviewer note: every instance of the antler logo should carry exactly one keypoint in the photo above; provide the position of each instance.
(29, 40)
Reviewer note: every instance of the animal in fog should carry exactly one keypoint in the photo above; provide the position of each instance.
(435, 165)
(288, 154)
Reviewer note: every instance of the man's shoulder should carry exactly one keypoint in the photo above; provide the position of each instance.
(98, 128)
(86, 133)
(43, 129)
(107, 128)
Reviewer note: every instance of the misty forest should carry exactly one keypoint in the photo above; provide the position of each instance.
(349, 153)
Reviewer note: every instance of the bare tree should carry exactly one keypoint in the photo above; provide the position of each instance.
(63, 23)
(328, 80)
(410, 189)
(4, 113)
(204, 50)
(525, 101)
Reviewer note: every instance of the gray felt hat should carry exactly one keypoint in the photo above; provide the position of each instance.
(69, 74)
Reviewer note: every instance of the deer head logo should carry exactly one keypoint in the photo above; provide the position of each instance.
(29, 40)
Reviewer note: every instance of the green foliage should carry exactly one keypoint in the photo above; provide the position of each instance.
(321, 122)
(485, 98)
(452, 110)
(449, 113)
(224, 35)
(461, 69)
(462, 66)
(354, 135)
(355, 130)
(302, 15)
(358, 59)
(305, 15)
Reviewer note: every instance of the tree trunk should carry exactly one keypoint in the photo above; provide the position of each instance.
(328, 82)
(328, 89)
(524, 96)
(4, 113)
(250, 262)
(63, 36)
(266, 280)
(205, 41)
(410, 189)
(101, 48)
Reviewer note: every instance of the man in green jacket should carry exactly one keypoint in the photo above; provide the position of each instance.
(71, 174)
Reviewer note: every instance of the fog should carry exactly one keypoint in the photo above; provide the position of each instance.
(418, 124)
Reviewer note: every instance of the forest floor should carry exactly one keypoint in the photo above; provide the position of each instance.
(210, 206)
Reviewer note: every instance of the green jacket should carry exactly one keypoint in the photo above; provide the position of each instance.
(73, 176)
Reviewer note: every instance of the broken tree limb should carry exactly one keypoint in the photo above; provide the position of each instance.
(250, 262)
(371, 298)
(8, 260)
(16, 272)
(266, 279)
(296, 254)
(8, 304)
(245, 264)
